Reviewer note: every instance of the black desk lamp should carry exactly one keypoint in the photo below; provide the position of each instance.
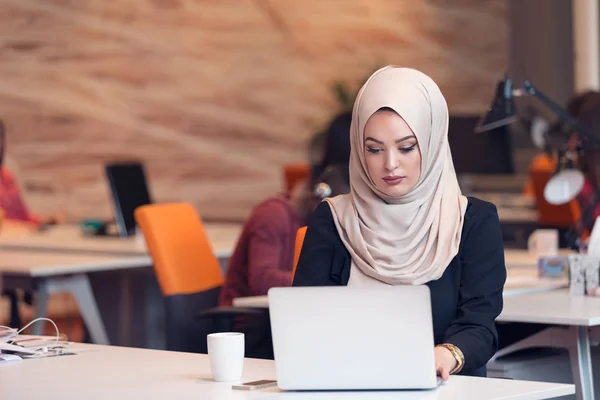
(567, 181)
(503, 111)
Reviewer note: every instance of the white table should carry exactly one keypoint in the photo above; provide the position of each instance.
(60, 259)
(50, 271)
(105, 372)
(579, 313)
(519, 281)
(516, 258)
(517, 214)
(71, 238)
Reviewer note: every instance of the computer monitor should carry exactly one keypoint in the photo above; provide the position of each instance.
(479, 153)
(129, 190)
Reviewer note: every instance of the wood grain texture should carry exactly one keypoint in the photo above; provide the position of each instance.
(213, 96)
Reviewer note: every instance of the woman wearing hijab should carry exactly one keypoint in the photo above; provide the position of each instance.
(405, 221)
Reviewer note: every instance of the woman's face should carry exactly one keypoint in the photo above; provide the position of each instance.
(392, 153)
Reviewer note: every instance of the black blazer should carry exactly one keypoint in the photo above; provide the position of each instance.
(465, 301)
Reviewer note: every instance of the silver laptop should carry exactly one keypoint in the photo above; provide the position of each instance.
(342, 338)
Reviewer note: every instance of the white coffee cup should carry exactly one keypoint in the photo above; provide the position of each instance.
(226, 353)
(543, 243)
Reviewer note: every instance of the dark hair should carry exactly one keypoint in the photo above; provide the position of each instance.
(576, 103)
(336, 146)
(585, 108)
(588, 114)
(335, 180)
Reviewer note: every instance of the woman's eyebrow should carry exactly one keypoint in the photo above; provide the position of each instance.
(404, 138)
(374, 140)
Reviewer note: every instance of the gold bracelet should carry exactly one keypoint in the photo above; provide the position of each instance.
(457, 354)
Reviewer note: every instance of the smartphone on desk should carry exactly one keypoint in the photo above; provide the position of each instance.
(256, 385)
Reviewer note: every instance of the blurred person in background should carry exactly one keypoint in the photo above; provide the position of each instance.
(582, 153)
(335, 150)
(15, 215)
(264, 255)
(12, 204)
(588, 114)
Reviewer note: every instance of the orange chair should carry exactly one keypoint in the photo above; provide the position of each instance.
(557, 216)
(295, 173)
(188, 273)
(298, 247)
(183, 257)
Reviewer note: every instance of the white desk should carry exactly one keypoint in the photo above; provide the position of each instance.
(106, 372)
(556, 308)
(507, 199)
(48, 263)
(519, 281)
(60, 259)
(515, 258)
(517, 214)
(70, 238)
(579, 313)
(52, 271)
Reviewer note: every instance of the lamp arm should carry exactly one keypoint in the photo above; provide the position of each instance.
(562, 114)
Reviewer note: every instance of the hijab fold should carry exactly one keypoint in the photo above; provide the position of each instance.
(409, 239)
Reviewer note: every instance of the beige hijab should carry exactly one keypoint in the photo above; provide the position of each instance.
(409, 239)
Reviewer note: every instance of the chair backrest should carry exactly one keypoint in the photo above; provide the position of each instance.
(183, 257)
(295, 173)
(300, 234)
(187, 271)
(559, 216)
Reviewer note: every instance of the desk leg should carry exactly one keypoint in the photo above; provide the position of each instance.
(82, 290)
(41, 307)
(582, 366)
(79, 286)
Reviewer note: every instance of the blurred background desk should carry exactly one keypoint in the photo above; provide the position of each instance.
(70, 238)
(578, 314)
(109, 280)
(522, 278)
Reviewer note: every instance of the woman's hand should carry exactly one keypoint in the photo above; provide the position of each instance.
(444, 362)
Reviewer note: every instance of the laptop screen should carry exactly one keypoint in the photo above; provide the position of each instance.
(129, 190)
